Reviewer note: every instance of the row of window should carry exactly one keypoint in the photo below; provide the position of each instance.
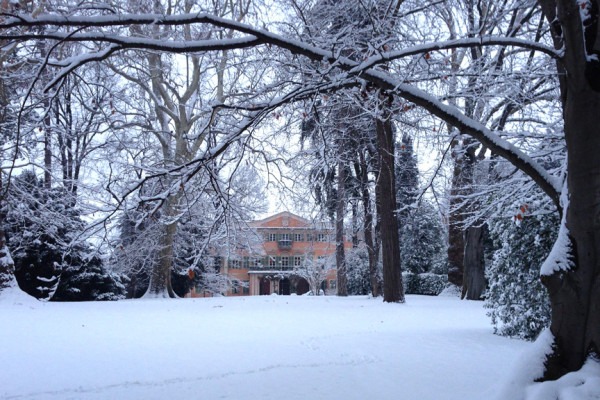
(299, 237)
(244, 287)
(270, 261)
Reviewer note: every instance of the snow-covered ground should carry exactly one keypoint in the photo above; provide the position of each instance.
(267, 347)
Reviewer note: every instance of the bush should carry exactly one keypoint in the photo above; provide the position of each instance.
(517, 301)
(88, 280)
(427, 283)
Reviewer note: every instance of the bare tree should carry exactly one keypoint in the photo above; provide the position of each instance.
(315, 271)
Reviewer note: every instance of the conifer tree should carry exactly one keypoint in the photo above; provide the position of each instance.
(51, 261)
(423, 241)
(407, 180)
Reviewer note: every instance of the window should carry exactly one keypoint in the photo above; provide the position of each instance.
(297, 261)
(285, 236)
(309, 237)
(272, 237)
(246, 262)
(321, 262)
(321, 237)
(332, 284)
(271, 261)
(285, 262)
(298, 237)
(235, 264)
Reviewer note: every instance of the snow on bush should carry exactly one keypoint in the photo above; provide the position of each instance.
(426, 283)
(518, 303)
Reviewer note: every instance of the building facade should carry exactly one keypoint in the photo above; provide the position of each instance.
(290, 255)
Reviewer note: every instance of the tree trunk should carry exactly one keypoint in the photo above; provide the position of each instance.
(355, 225)
(575, 293)
(47, 153)
(340, 258)
(393, 292)
(160, 277)
(456, 240)
(473, 284)
(368, 226)
(474, 271)
(7, 273)
(7, 270)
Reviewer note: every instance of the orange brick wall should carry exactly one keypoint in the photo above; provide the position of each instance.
(284, 222)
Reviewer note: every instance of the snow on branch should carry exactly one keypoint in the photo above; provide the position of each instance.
(459, 43)
(134, 42)
(560, 257)
(382, 79)
(266, 36)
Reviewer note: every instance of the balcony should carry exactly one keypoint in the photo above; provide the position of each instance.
(284, 244)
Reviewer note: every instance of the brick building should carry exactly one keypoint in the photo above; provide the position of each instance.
(285, 242)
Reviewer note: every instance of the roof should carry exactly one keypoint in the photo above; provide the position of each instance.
(284, 219)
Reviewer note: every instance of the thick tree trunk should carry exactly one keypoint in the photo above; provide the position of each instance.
(393, 292)
(474, 271)
(575, 293)
(340, 257)
(160, 277)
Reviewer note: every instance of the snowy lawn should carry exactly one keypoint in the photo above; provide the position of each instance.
(268, 347)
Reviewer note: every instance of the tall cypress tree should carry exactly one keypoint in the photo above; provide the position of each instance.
(407, 179)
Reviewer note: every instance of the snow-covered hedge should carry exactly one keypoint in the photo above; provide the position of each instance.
(426, 283)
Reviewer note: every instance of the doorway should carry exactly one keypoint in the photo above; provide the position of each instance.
(302, 286)
(264, 287)
(284, 287)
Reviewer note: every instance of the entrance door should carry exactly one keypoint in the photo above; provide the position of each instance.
(284, 287)
(265, 287)
(302, 286)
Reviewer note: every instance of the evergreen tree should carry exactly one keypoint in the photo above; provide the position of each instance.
(357, 264)
(191, 264)
(421, 232)
(135, 252)
(50, 261)
(36, 235)
(423, 241)
(407, 180)
(517, 301)
(87, 280)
